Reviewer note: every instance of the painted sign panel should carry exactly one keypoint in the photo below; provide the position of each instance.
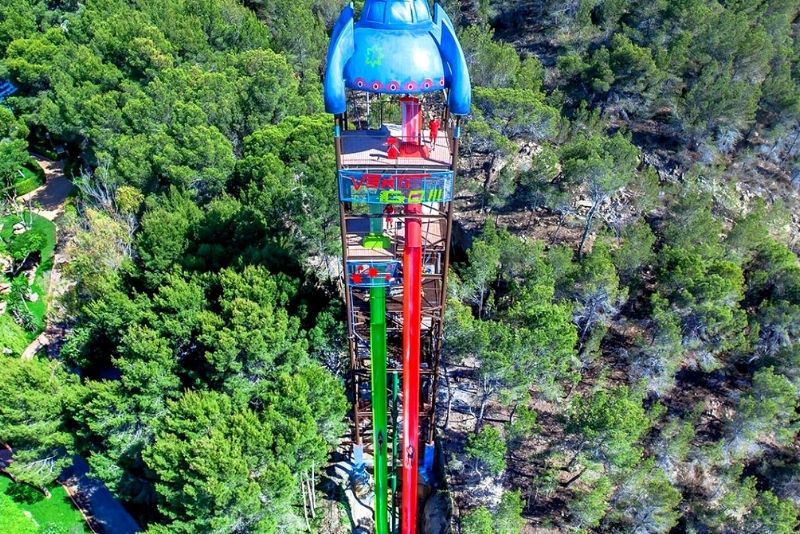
(386, 188)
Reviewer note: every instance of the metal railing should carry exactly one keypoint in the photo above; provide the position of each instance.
(373, 273)
(386, 146)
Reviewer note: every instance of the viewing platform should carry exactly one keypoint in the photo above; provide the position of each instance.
(433, 240)
(385, 147)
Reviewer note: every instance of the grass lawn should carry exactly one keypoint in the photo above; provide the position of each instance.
(12, 335)
(39, 223)
(29, 180)
(58, 510)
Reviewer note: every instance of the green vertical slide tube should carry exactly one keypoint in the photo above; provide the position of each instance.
(378, 354)
(395, 449)
(377, 311)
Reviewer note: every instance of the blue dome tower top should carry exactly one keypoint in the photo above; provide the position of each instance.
(396, 47)
(394, 13)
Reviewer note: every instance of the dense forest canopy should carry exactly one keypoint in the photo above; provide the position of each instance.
(625, 310)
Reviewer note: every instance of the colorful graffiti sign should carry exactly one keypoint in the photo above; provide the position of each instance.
(375, 188)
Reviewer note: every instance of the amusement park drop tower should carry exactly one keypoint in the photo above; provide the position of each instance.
(395, 179)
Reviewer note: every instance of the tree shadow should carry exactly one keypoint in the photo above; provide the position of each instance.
(24, 494)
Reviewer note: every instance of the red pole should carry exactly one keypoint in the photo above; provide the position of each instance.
(412, 320)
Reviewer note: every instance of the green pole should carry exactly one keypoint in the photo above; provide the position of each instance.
(377, 324)
(395, 395)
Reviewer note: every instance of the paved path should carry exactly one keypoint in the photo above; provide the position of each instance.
(358, 508)
(105, 514)
(38, 344)
(48, 201)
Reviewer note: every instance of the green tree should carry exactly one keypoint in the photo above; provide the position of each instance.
(488, 450)
(289, 182)
(165, 234)
(772, 515)
(478, 521)
(535, 186)
(253, 334)
(674, 445)
(608, 425)
(658, 358)
(778, 326)
(216, 469)
(496, 64)
(705, 293)
(773, 273)
(589, 506)
(24, 245)
(18, 20)
(119, 423)
(484, 267)
(634, 67)
(646, 501)
(509, 514)
(735, 106)
(33, 418)
(786, 363)
(597, 295)
(296, 31)
(768, 412)
(522, 425)
(635, 251)
(517, 114)
(600, 165)
(13, 155)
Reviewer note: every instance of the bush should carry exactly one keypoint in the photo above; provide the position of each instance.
(478, 521)
(12, 336)
(507, 519)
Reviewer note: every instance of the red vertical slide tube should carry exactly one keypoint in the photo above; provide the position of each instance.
(412, 320)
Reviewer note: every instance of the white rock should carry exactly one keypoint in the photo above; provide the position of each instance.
(33, 297)
(5, 287)
(6, 350)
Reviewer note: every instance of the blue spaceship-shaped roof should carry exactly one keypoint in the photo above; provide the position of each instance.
(396, 48)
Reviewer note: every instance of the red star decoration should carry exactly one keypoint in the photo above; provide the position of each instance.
(357, 278)
(372, 272)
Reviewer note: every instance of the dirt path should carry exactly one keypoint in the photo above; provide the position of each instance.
(48, 201)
